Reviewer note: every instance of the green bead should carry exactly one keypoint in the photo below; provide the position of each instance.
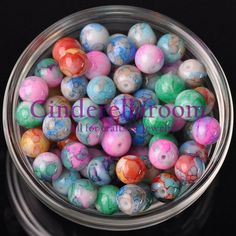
(168, 87)
(158, 119)
(190, 105)
(169, 137)
(29, 115)
(106, 200)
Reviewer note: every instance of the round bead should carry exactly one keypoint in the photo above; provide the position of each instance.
(131, 199)
(150, 81)
(127, 79)
(159, 136)
(163, 154)
(89, 131)
(72, 138)
(47, 166)
(33, 142)
(189, 169)
(106, 200)
(189, 105)
(98, 64)
(62, 184)
(33, 89)
(49, 70)
(74, 88)
(73, 63)
(147, 98)
(85, 107)
(149, 58)
(75, 156)
(82, 194)
(149, 196)
(168, 87)
(165, 187)
(57, 104)
(56, 128)
(60, 47)
(171, 68)
(130, 169)
(209, 98)
(101, 89)
(29, 115)
(121, 50)
(158, 119)
(101, 170)
(172, 46)
(192, 72)
(94, 37)
(194, 149)
(125, 108)
(206, 130)
(142, 33)
(107, 122)
(188, 133)
(116, 141)
(139, 151)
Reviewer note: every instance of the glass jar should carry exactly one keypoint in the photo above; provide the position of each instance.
(117, 19)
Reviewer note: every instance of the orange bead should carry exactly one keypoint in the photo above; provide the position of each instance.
(62, 45)
(130, 169)
(33, 142)
(74, 62)
(70, 139)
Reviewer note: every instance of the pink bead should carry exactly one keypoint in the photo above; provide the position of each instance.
(33, 89)
(99, 64)
(116, 141)
(163, 154)
(107, 122)
(149, 58)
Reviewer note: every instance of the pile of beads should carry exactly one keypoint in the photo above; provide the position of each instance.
(102, 119)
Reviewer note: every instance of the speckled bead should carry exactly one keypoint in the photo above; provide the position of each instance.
(159, 136)
(192, 72)
(172, 46)
(49, 70)
(47, 166)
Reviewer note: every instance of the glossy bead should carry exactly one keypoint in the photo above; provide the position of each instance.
(94, 37)
(172, 46)
(159, 136)
(74, 88)
(47, 166)
(192, 72)
(194, 149)
(33, 142)
(73, 63)
(116, 141)
(106, 200)
(206, 130)
(163, 154)
(150, 81)
(147, 98)
(130, 169)
(84, 107)
(89, 131)
(127, 79)
(56, 128)
(121, 50)
(98, 64)
(142, 33)
(131, 199)
(149, 196)
(33, 89)
(171, 68)
(149, 58)
(82, 194)
(101, 170)
(209, 98)
(29, 115)
(189, 169)
(168, 87)
(101, 90)
(165, 187)
(125, 108)
(62, 184)
(49, 70)
(189, 105)
(75, 156)
(60, 47)
(158, 119)
(72, 138)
